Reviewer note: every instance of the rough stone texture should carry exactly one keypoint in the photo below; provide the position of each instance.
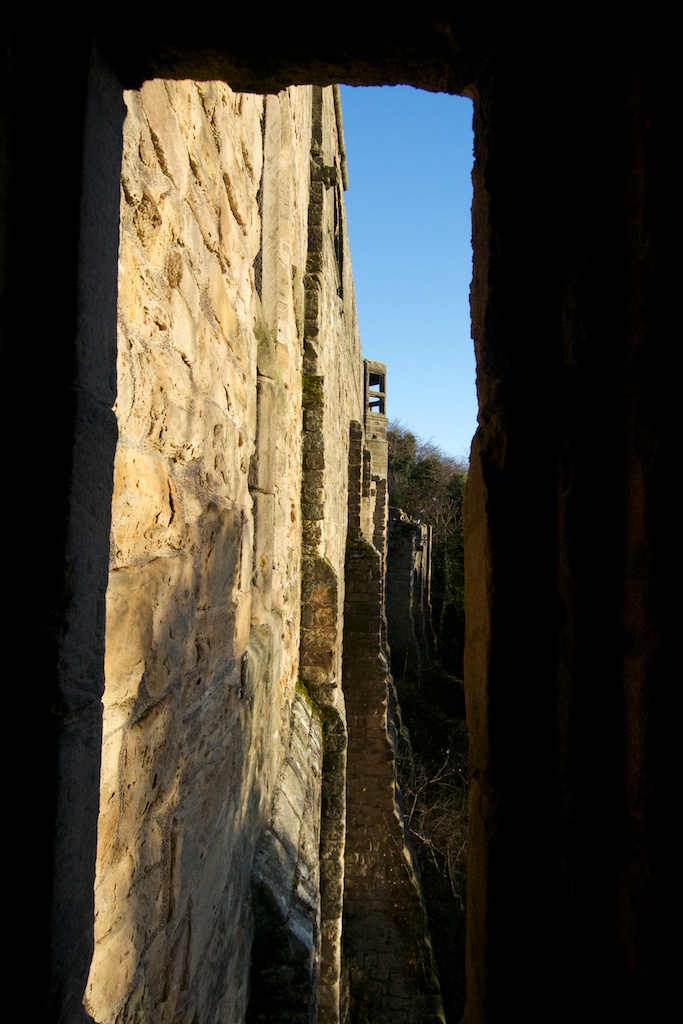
(390, 963)
(573, 542)
(285, 957)
(333, 397)
(223, 796)
(408, 586)
(203, 603)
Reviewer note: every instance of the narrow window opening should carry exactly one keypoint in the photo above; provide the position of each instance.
(376, 392)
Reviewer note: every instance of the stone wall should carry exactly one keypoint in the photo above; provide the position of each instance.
(390, 961)
(572, 533)
(241, 387)
(408, 589)
(203, 600)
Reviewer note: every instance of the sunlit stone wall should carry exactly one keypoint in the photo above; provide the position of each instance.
(203, 604)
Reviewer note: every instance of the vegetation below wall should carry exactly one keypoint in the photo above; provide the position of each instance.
(429, 485)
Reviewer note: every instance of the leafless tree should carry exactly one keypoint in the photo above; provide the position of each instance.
(436, 811)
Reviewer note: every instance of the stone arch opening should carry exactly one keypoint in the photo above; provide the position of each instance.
(578, 240)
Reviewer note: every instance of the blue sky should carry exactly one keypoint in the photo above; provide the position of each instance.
(409, 156)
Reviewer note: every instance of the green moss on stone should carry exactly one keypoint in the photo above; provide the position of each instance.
(359, 546)
(304, 692)
(312, 389)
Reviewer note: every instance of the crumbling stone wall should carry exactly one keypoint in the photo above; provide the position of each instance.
(203, 598)
(220, 881)
(408, 588)
(390, 963)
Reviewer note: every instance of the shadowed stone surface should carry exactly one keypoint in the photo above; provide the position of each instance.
(572, 536)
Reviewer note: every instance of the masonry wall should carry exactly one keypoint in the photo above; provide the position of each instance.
(221, 875)
(408, 586)
(203, 602)
(390, 961)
